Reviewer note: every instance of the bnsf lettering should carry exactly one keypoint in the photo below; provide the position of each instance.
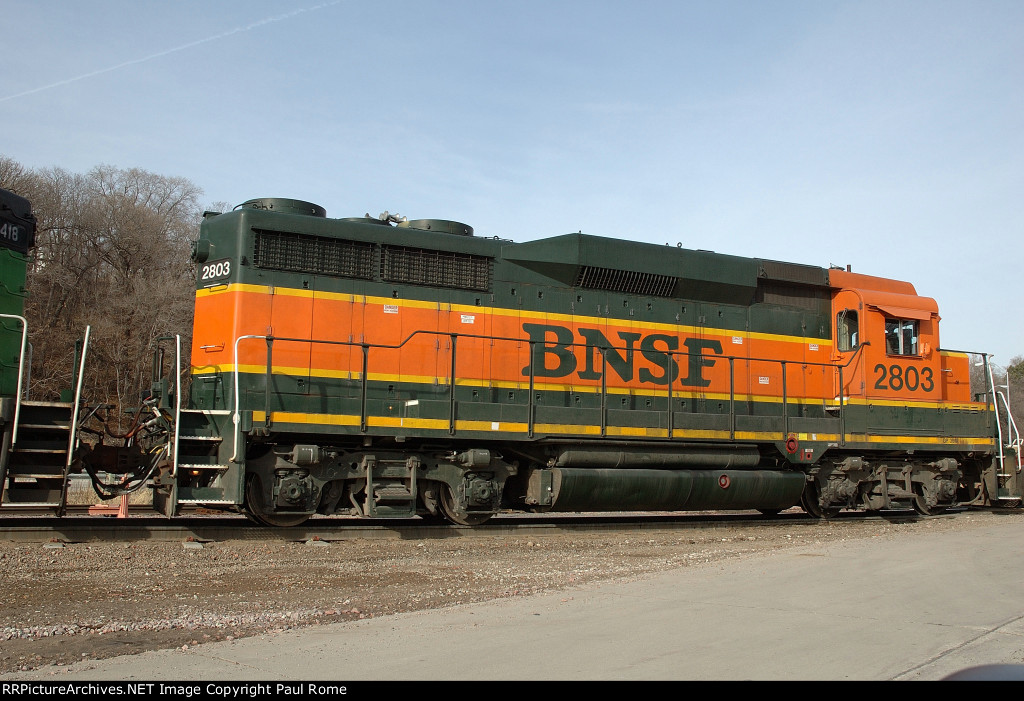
(897, 378)
(555, 354)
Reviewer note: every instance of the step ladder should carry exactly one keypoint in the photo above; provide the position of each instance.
(38, 462)
(203, 471)
(390, 487)
(201, 467)
(40, 445)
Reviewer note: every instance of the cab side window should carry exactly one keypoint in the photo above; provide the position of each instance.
(847, 330)
(901, 337)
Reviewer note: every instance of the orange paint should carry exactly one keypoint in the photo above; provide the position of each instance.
(412, 342)
(875, 367)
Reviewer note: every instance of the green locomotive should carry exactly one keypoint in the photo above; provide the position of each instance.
(17, 236)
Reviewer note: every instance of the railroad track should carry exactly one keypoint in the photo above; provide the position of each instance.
(200, 528)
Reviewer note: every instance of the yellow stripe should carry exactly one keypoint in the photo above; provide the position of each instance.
(971, 407)
(930, 440)
(292, 417)
(960, 406)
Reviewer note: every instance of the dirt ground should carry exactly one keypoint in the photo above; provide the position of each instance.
(90, 601)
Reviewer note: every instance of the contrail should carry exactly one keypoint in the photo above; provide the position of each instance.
(237, 30)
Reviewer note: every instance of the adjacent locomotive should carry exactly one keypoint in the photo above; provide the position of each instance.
(386, 367)
(17, 237)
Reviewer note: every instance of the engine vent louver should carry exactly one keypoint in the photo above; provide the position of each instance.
(793, 273)
(626, 281)
(277, 250)
(813, 298)
(421, 266)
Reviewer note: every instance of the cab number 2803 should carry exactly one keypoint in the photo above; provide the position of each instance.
(216, 269)
(898, 377)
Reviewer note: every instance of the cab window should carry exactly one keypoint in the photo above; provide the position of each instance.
(847, 330)
(901, 336)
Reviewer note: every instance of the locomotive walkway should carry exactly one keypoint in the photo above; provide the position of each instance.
(884, 608)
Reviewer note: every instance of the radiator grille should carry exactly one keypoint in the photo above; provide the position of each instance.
(278, 250)
(421, 266)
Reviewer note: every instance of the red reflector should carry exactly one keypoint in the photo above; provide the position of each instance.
(724, 481)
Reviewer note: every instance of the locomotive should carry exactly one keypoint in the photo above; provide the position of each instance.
(17, 237)
(386, 367)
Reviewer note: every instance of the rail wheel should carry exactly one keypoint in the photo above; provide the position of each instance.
(254, 509)
(810, 501)
(450, 510)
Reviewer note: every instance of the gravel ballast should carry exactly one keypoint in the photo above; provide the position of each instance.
(90, 601)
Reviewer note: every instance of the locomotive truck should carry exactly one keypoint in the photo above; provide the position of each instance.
(386, 367)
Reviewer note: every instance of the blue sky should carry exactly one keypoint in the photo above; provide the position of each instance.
(888, 136)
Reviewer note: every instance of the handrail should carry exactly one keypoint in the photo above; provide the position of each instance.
(842, 396)
(21, 372)
(78, 394)
(365, 349)
(235, 417)
(158, 375)
(177, 402)
(1011, 430)
(995, 406)
(73, 433)
(530, 408)
(451, 389)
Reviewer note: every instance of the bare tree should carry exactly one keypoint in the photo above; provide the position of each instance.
(13, 175)
(1015, 388)
(112, 252)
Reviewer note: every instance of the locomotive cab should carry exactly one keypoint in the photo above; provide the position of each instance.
(886, 338)
(904, 399)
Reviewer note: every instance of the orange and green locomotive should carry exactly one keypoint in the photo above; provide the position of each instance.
(386, 367)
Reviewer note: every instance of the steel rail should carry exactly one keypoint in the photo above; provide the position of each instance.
(212, 529)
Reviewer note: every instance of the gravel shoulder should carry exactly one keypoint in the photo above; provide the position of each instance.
(92, 601)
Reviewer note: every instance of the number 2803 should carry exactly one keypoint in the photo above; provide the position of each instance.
(216, 269)
(897, 378)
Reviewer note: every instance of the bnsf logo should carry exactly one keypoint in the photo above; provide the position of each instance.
(555, 354)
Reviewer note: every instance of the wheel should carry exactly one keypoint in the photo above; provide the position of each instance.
(254, 510)
(450, 511)
(810, 501)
